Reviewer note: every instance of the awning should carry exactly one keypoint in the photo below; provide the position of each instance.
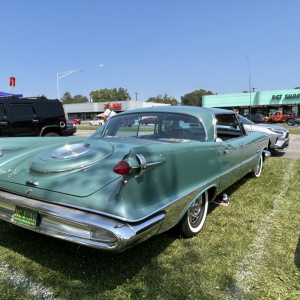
(2, 94)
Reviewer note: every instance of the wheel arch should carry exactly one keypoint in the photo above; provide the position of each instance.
(48, 129)
(212, 192)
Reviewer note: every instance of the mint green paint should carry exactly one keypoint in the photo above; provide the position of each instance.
(276, 97)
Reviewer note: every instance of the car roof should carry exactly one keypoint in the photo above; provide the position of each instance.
(191, 110)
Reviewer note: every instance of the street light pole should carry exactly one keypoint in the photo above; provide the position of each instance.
(61, 75)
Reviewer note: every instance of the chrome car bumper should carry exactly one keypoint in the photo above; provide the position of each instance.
(282, 144)
(79, 226)
(279, 142)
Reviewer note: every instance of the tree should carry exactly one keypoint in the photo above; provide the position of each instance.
(67, 98)
(162, 99)
(195, 98)
(80, 99)
(106, 95)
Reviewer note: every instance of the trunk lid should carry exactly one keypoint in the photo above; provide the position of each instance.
(77, 169)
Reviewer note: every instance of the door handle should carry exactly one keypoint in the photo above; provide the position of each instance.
(225, 151)
(3, 124)
(35, 121)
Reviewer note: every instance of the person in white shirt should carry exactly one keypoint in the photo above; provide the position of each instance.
(109, 112)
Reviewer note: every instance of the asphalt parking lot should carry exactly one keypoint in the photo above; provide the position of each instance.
(293, 150)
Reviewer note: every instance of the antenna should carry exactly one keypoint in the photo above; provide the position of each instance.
(249, 85)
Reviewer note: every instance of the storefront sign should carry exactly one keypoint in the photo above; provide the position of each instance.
(276, 97)
(286, 96)
(115, 106)
(292, 96)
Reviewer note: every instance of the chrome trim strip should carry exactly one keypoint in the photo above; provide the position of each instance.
(143, 163)
(7, 148)
(10, 148)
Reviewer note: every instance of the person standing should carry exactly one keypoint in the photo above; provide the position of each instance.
(109, 112)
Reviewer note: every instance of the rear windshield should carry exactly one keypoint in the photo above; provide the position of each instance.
(168, 127)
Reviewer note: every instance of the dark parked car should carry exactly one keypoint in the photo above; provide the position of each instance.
(123, 185)
(31, 117)
(257, 118)
(71, 129)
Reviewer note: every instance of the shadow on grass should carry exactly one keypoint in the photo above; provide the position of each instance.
(76, 272)
(277, 153)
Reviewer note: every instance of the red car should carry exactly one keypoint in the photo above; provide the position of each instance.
(74, 121)
(147, 121)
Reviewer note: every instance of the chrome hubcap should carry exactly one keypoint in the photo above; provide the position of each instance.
(194, 211)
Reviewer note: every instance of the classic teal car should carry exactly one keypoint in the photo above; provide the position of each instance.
(124, 184)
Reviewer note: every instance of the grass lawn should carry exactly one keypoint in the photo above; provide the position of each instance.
(248, 250)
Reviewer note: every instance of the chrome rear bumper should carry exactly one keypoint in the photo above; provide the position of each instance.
(79, 226)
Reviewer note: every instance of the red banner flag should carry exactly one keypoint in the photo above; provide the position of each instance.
(12, 81)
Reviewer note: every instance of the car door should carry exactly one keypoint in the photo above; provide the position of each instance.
(232, 137)
(24, 119)
(4, 122)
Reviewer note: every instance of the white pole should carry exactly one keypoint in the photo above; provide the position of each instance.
(57, 86)
(63, 75)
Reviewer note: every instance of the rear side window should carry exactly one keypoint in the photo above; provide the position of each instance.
(51, 108)
(167, 127)
(228, 127)
(22, 110)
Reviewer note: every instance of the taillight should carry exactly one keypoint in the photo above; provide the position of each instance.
(122, 168)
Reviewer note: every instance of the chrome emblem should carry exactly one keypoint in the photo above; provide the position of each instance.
(69, 151)
(28, 191)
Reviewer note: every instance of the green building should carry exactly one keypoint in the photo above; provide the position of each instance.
(266, 103)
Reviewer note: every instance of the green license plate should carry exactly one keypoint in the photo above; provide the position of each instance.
(25, 216)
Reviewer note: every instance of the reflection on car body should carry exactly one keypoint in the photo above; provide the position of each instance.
(123, 185)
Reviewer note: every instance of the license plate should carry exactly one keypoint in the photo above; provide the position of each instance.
(25, 216)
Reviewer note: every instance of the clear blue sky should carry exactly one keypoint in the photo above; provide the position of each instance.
(149, 47)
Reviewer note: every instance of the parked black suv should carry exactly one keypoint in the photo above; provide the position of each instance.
(31, 117)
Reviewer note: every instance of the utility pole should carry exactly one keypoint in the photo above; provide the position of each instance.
(136, 96)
